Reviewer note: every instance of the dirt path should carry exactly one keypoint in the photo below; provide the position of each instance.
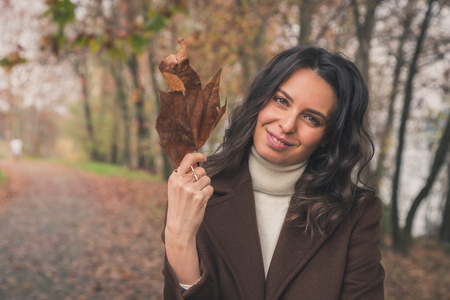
(65, 234)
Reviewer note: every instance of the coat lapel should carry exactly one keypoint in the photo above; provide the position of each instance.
(293, 251)
(230, 221)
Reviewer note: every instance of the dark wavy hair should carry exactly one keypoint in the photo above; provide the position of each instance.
(331, 185)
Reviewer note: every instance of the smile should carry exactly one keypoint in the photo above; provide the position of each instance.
(277, 142)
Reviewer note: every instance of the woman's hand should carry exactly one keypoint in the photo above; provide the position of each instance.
(187, 199)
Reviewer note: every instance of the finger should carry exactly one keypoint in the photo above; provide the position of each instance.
(208, 191)
(200, 171)
(191, 159)
(173, 176)
(202, 182)
(189, 177)
(196, 175)
(178, 180)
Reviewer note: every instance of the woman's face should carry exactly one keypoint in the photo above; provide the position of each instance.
(291, 126)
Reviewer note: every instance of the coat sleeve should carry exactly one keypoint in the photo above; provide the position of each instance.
(364, 274)
(202, 290)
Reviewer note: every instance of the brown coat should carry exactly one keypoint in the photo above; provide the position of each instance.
(343, 265)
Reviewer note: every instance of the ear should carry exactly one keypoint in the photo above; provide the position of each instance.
(324, 143)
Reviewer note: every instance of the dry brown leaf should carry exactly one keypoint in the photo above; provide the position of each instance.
(188, 112)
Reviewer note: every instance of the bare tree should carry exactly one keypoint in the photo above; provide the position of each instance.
(364, 23)
(139, 103)
(306, 11)
(122, 106)
(439, 159)
(400, 62)
(444, 233)
(408, 95)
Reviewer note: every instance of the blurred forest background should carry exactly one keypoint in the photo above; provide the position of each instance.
(79, 82)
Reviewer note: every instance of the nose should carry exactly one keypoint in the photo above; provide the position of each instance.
(288, 123)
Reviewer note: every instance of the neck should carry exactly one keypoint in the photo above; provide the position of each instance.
(273, 179)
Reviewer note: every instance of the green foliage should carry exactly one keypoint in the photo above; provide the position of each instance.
(138, 43)
(157, 19)
(3, 179)
(11, 61)
(446, 247)
(155, 22)
(117, 50)
(62, 12)
(108, 125)
(95, 44)
(6, 62)
(80, 42)
(112, 170)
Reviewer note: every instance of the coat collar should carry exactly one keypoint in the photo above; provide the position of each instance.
(230, 221)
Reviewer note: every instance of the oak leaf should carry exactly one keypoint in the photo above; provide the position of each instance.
(188, 112)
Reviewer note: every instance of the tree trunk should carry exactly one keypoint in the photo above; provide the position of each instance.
(305, 17)
(338, 13)
(122, 104)
(244, 56)
(439, 159)
(396, 238)
(167, 166)
(142, 126)
(114, 145)
(364, 34)
(259, 59)
(386, 132)
(93, 153)
(444, 233)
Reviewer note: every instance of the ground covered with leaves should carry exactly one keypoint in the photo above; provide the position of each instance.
(68, 234)
(424, 273)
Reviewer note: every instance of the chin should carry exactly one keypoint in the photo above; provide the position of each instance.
(275, 160)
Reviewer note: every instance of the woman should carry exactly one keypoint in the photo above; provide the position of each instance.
(282, 213)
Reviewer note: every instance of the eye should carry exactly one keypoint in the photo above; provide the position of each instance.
(313, 120)
(282, 101)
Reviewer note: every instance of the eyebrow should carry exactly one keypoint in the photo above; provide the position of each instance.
(313, 111)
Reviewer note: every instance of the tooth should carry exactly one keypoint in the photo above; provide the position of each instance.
(277, 141)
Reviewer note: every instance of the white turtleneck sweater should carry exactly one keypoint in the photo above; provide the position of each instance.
(273, 187)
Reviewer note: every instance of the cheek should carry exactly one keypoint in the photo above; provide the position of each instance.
(311, 138)
(268, 114)
(263, 116)
(259, 127)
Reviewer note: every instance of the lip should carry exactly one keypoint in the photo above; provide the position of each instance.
(271, 136)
